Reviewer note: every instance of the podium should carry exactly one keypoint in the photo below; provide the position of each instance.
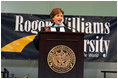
(61, 55)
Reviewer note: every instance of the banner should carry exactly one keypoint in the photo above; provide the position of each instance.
(19, 30)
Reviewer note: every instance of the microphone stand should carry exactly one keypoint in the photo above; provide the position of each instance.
(53, 24)
(65, 25)
(69, 27)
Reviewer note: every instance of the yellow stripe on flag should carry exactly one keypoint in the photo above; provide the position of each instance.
(18, 45)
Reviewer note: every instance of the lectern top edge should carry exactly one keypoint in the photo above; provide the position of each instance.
(42, 32)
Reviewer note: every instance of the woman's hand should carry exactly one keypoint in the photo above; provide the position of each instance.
(47, 28)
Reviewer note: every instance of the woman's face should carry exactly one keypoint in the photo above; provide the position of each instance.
(58, 18)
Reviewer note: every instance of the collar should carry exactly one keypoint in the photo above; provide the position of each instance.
(58, 25)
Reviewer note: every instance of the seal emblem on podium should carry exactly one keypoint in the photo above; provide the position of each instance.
(61, 59)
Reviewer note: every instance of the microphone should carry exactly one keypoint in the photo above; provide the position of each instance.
(69, 27)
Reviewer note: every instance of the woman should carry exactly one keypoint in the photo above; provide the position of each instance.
(57, 16)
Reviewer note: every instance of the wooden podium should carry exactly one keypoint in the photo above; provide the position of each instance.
(61, 55)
